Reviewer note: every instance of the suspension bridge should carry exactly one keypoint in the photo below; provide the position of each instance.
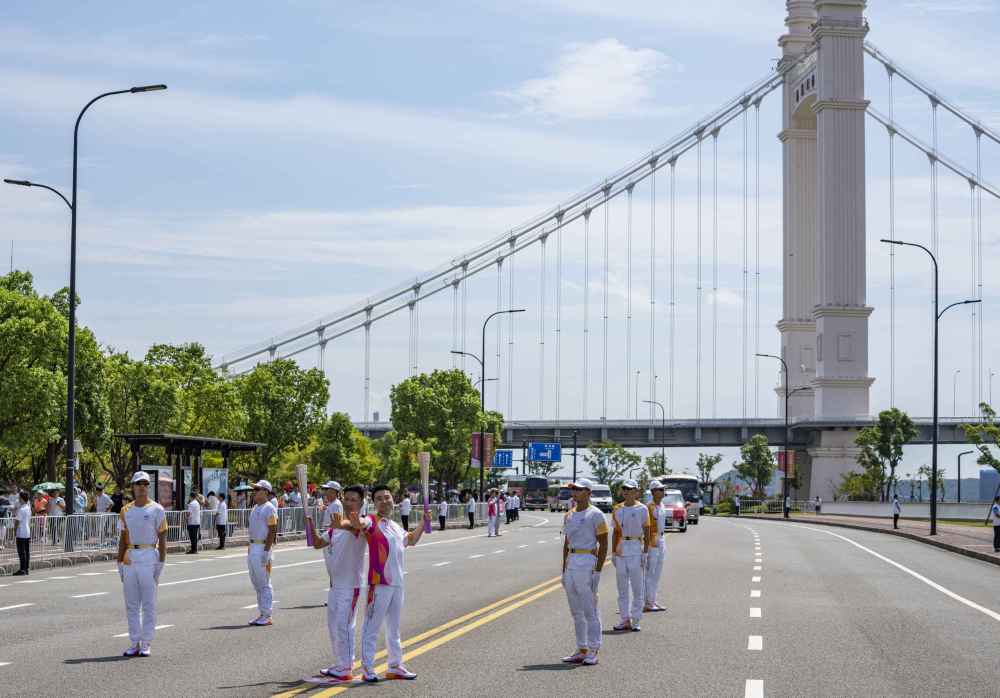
(699, 346)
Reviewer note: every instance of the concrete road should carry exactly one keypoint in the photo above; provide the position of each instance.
(756, 608)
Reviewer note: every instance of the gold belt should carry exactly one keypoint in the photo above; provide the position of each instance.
(258, 541)
(582, 551)
(631, 537)
(143, 546)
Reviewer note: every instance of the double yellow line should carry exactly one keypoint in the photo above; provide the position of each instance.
(482, 616)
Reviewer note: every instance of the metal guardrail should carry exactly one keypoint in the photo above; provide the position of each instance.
(98, 533)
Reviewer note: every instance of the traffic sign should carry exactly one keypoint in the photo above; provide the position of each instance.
(503, 459)
(539, 452)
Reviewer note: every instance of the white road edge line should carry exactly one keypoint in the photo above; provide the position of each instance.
(754, 689)
(158, 627)
(85, 596)
(17, 605)
(916, 575)
(755, 643)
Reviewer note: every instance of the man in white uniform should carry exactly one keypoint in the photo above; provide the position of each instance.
(222, 520)
(23, 534)
(470, 510)
(443, 513)
(333, 508)
(344, 554)
(387, 542)
(263, 531)
(897, 509)
(630, 543)
(193, 522)
(584, 552)
(995, 515)
(142, 552)
(404, 511)
(657, 546)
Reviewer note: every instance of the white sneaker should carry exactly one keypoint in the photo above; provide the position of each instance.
(399, 673)
(144, 650)
(576, 658)
(369, 676)
(591, 658)
(131, 651)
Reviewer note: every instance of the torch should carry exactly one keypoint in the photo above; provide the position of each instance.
(424, 458)
(302, 473)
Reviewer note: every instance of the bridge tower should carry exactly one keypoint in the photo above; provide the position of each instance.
(824, 327)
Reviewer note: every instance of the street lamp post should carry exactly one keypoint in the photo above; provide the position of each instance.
(663, 431)
(26, 183)
(482, 394)
(934, 426)
(71, 343)
(788, 394)
(963, 453)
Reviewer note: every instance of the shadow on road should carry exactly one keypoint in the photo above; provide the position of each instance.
(230, 627)
(560, 666)
(97, 660)
(298, 608)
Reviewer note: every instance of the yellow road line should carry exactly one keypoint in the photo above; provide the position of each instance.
(450, 636)
(434, 631)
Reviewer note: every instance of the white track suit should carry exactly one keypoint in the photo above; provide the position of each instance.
(262, 517)
(580, 580)
(657, 552)
(386, 545)
(345, 559)
(631, 528)
(143, 526)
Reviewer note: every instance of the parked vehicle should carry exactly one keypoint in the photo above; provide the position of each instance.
(559, 498)
(674, 501)
(600, 497)
(690, 489)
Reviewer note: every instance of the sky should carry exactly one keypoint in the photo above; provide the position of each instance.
(309, 154)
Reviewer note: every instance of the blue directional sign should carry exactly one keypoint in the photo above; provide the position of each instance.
(539, 452)
(503, 459)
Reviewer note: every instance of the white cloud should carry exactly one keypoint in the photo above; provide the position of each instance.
(596, 80)
(960, 7)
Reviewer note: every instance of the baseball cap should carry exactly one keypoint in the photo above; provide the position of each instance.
(332, 485)
(100, 485)
(263, 485)
(581, 484)
(140, 476)
(655, 485)
(630, 485)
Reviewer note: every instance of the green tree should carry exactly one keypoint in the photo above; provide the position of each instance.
(656, 466)
(924, 472)
(141, 399)
(984, 435)
(284, 406)
(706, 464)
(544, 469)
(609, 461)
(857, 486)
(397, 459)
(343, 453)
(757, 464)
(441, 409)
(882, 448)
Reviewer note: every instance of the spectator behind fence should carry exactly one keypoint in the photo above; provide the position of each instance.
(56, 510)
(102, 502)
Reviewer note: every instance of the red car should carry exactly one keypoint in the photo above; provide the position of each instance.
(673, 500)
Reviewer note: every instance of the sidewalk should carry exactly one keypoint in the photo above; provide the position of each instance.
(972, 541)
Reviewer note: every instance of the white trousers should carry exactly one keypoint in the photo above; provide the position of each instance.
(260, 577)
(385, 605)
(654, 568)
(630, 577)
(340, 606)
(140, 601)
(491, 527)
(582, 599)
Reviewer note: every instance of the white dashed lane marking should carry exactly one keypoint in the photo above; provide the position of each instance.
(755, 643)
(755, 579)
(85, 596)
(755, 613)
(158, 627)
(90, 574)
(440, 564)
(475, 557)
(522, 546)
(754, 689)
(497, 552)
(4, 663)
(755, 593)
(17, 605)
(757, 568)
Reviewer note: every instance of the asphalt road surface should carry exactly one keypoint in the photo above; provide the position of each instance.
(755, 608)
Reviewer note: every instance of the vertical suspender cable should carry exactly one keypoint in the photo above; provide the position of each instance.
(745, 355)
(416, 331)
(715, 271)
(892, 248)
(465, 314)
(756, 266)
(979, 267)
(974, 386)
(652, 286)
(541, 330)
(673, 279)
(604, 388)
(559, 236)
(934, 178)
(454, 323)
(697, 371)
(410, 360)
(368, 363)
(585, 384)
(628, 306)
(499, 333)
(510, 330)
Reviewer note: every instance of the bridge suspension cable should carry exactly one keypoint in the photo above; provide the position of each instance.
(715, 269)
(628, 307)
(585, 383)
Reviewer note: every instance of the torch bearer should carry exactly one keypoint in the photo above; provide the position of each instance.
(301, 472)
(424, 459)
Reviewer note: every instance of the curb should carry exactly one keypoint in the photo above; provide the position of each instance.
(985, 557)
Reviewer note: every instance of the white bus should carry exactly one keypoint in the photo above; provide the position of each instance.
(690, 488)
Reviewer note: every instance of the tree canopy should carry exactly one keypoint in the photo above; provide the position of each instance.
(757, 464)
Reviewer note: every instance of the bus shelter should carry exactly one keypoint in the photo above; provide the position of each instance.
(182, 452)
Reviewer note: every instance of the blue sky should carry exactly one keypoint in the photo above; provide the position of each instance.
(308, 154)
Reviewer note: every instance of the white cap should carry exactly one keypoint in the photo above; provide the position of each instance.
(263, 485)
(332, 485)
(655, 485)
(630, 484)
(581, 484)
(140, 476)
